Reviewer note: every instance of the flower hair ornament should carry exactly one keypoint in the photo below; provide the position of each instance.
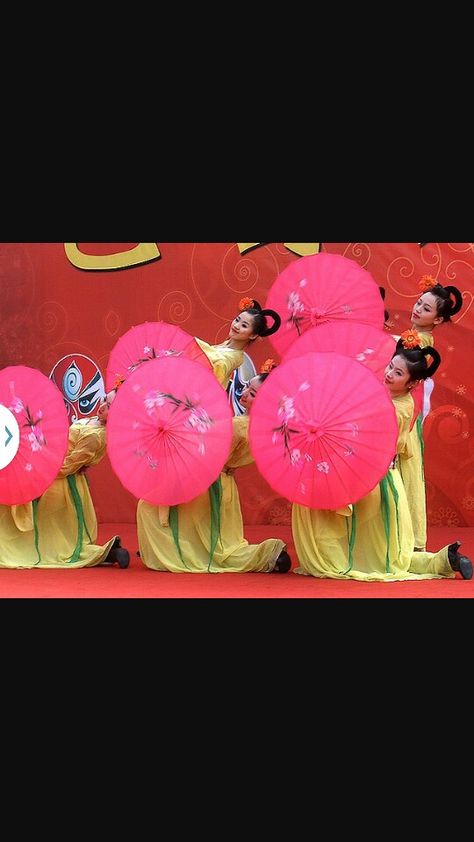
(427, 282)
(411, 339)
(268, 366)
(246, 304)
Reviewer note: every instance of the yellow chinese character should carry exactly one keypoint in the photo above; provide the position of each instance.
(303, 248)
(142, 253)
(298, 248)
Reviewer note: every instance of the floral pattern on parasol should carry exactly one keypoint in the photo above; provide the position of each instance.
(150, 341)
(41, 434)
(169, 431)
(322, 288)
(323, 430)
(369, 345)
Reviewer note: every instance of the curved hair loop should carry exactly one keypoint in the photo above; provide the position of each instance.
(436, 360)
(458, 300)
(276, 322)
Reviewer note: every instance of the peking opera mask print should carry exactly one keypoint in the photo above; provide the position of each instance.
(81, 383)
(238, 382)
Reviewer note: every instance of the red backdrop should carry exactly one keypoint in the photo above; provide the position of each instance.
(52, 309)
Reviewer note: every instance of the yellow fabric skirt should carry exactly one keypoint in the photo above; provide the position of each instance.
(366, 545)
(413, 475)
(233, 554)
(56, 539)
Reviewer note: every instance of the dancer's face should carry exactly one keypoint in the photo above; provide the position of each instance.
(250, 392)
(425, 314)
(242, 329)
(397, 376)
(104, 407)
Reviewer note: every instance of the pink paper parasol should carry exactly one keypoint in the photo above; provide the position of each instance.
(369, 345)
(322, 288)
(169, 431)
(323, 430)
(33, 434)
(151, 340)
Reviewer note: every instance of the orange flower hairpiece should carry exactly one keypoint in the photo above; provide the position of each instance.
(411, 339)
(119, 381)
(427, 282)
(246, 304)
(268, 366)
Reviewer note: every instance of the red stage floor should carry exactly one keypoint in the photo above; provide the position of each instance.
(137, 582)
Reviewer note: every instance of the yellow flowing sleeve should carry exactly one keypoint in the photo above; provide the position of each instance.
(404, 408)
(240, 454)
(87, 447)
(224, 361)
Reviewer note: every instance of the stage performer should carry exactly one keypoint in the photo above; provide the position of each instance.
(250, 323)
(436, 304)
(206, 535)
(374, 540)
(59, 530)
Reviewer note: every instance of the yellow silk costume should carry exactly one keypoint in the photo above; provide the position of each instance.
(224, 360)
(413, 471)
(374, 543)
(200, 546)
(58, 530)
